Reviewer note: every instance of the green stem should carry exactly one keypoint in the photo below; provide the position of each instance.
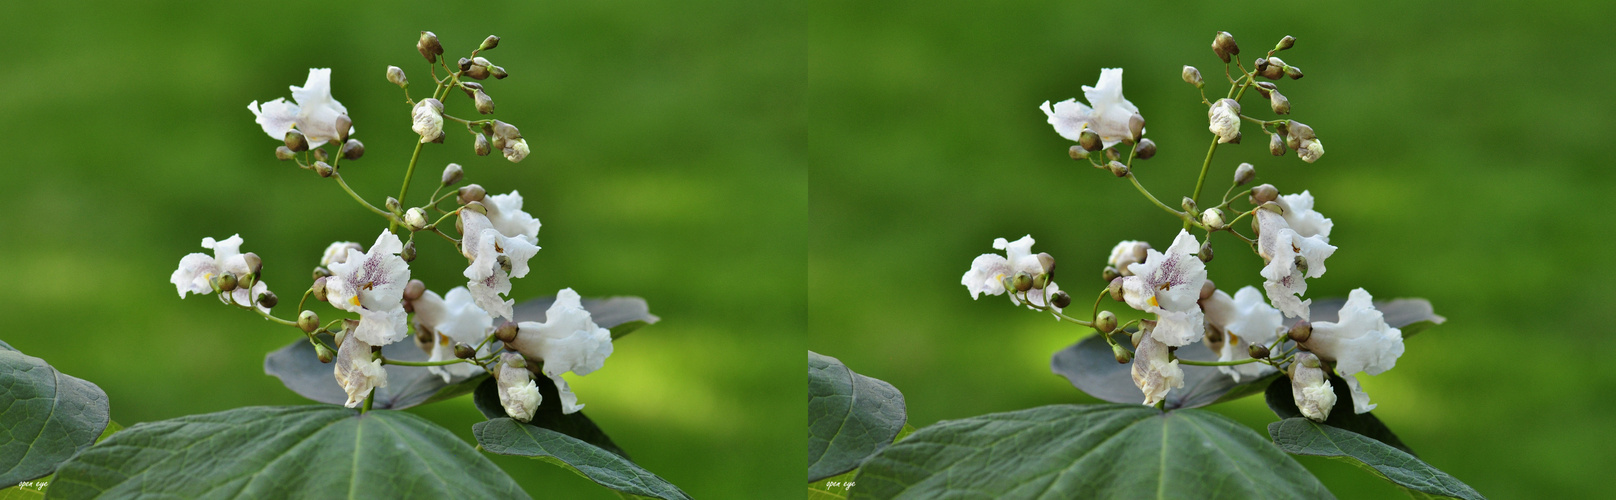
(1188, 221)
(386, 361)
(390, 218)
(1183, 361)
(409, 173)
(369, 398)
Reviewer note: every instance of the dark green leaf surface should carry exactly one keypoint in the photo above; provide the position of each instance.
(1283, 403)
(45, 416)
(505, 436)
(1306, 437)
(1089, 451)
(850, 417)
(621, 315)
(548, 415)
(1093, 369)
(314, 451)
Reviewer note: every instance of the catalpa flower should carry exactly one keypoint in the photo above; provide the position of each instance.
(450, 319)
(357, 370)
(1108, 117)
(1127, 253)
(1301, 217)
(1238, 322)
(314, 113)
(1310, 387)
(1292, 258)
(505, 214)
(989, 271)
(1168, 285)
(198, 269)
(338, 252)
(567, 340)
(495, 257)
(372, 285)
(1224, 118)
(1154, 372)
(427, 119)
(518, 394)
(1358, 341)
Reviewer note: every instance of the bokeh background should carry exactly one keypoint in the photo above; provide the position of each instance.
(1466, 164)
(663, 166)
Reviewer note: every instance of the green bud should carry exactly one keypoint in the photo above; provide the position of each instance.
(485, 104)
(296, 142)
(308, 321)
(463, 351)
(429, 47)
(506, 333)
(1123, 356)
(1062, 299)
(353, 149)
(1276, 145)
(321, 155)
(1257, 351)
(1301, 331)
(1078, 153)
(408, 253)
(1106, 322)
(1279, 103)
(324, 169)
(392, 204)
(396, 75)
(1109, 273)
(1188, 204)
(319, 288)
(227, 282)
(1118, 169)
(324, 353)
(1090, 140)
(1263, 194)
(489, 43)
(470, 193)
(284, 153)
(1115, 288)
(1294, 72)
(1285, 43)
(1244, 174)
(480, 146)
(1146, 149)
(268, 299)
(1192, 76)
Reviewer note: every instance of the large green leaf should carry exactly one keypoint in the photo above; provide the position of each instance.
(850, 417)
(46, 416)
(301, 370)
(830, 488)
(621, 315)
(1283, 402)
(548, 415)
(1093, 369)
(315, 451)
(505, 436)
(1089, 451)
(1306, 437)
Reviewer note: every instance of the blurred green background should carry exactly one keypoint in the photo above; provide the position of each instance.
(1465, 164)
(662, 167)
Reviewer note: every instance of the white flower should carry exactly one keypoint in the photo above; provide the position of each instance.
(988, 271)
(1311, 388)
(1128, 253)
(1224, 118)
(245, 297)
(1301, 217)
(338, 252)
(314, 115)
(517, 393)
(1310, 150)
(516, 150)
(487, 292)
(1359, 341)
(1153, 373)
(1244, 319)
(1285, 279)
(427, 119)
(1108, 117)
(495, 258)
(372, 285)
(452, 319)
(1360, 399)
(1039, 298)
(506, 215)
(1169, 285)
(568, 340)
(357, 371)
(197, 269)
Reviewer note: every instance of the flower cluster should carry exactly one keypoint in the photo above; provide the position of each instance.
(467, 331)
(1253, 336)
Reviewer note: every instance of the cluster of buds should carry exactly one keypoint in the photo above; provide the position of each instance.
(1246, 330)
(372, 290)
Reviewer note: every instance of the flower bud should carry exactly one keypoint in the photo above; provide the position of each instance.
(1122, 355)
(1257, 351)
(1136, 126)
(353, 149)
(1022, 281)
(323, 352)
(1077, 153)
(1106, 322)
(318, 288)
(1223, 120)
(324, 169)
(284, 153)
(1205, 254)
(1062, 299)
(1146, 149)
(1118, 169)
(1115, 287)
(515, 150)
(506, 333)
(226, 282)
(395, 74)
(452, 174)
(424, 337)
(1276, 145)
(476, 206)
(408, 252)
(1139, 334)
(489, 43)
(477, 71)
(1279, 103)
(1260, 64)
(1188, 204)
(498, 72)
(1090, 140)
(1111, 155)
(427, 120)
(480, 146)
(268, 299)
(1244, 174)
(1224, 43)
(1294, 72)
(1285, 43)
(391, 204)
(1301, 331)
(1047, 261)
(1264, 88)
(1263, 194)
(1212, 218)
(485, 104)
(1272, 206)
(1207, 287)
(1310, 150)
(470, 193)
(344, 126)
(1192, 76)
(308, 321)
(321, 155)
(1274, 70)
(415, 217)
(296, 142)
(463, 351)
(429, 46)
(1109, 273)
(1310, 387)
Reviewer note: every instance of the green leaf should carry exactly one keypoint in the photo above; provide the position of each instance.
(1306, 437)
(1283, 403)
(505, 436)
(548, 415)
(1089, 451)
(315, 451)
(1093, 369)
(850, 417)
(832, 488)
(621, 315)
(46, 416)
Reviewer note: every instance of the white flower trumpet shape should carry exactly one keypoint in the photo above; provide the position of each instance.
(314, 114)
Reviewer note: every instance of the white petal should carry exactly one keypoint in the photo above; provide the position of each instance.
(506, 215)
(1153, 373)
(193, 274)
(1301, 217)
(486, 294)
(986, 275)
(1069, 118)
(276, 117)
(318, 112)
(1360, 399)
(569, 401)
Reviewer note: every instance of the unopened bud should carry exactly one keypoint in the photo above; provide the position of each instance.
(268, 299)
(1207, 289)
(255, 264)
(318, 288)
(296, 142)
(1118, 169)
(470, 88)
(1192, 76)
(476, 206)
(1106, 322)
(1047, 261)
(1146, 149)
(353, 149)
(1243, 174)
(1090, 140)
(321, 155)
(324, 169)
(344, 126)
(1260, 64)
(1300, 131)
(485, 104)
(506, 333)
(1136, 126)
(489, 43)
(395, 74)
(1188, 204)
(391, 204)
(1294, 72)
(415, 218)
(284, 153)
(1115, 288)
(1021, 282)
(1257, 351)
(414, 289)
(1301, 331)
(1062, 299)
(1264, 88)
(498, 72)
(323, 352)
(1109, 273)
(308, 321)
(1276, 145)
(1285, 43)
(452, 174)
(470, 193)
(1223, 45)
(1274, 70)
(463, 351)
(1111, 155)
(1205, 254)
(1272, 206)
(1263, 194)
(1122, 355)
(477, 71)
(480, 146)
(1279, 103)
(1212, 218)
(1077, 152)
(226, 282)
(429, 46)
(408, 253)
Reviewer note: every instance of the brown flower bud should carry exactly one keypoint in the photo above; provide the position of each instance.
(506, 333)
(1294, 72)
(470, 193)
(1224, 43)
(1136, 126)
(429, 47)
(1146, 149)
(485, 104)
(319, 288)
(452, 174)
(1115, 288)
(1244, 174)
(480, 145)
(353, 149)
(1301, 331)
(408, 253)
(1263, 194)
(498, 72)
(1279, 103)
(268, 299)
(1078, 153)
(1192, 76)
(1205, 254)
(1118, 169)
(321, 155)
(1062, 299)
(463, 351)
(296, 142)
(396, 75)
(1285, 43)
(471, 88)
(284, 153)
(344, 126)
(324, 169)
(1276, 145)
(1257, 351)
(1090, 140)
(465, 64)
(489, 43)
